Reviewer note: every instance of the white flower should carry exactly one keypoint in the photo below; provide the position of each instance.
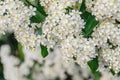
(104, 9)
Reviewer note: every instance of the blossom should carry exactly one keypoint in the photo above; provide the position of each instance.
(104, 9)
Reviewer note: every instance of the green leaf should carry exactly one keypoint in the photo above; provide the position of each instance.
(118, 22)
(38, 31)
(35, 3)
(27, 3)
(112, 71)
(1, 71)
(93, 64)
(97, 75)
(40, 8)
(21, 54)
(68, 9)
(3, 39)
(91, 23)
(9, 38)
(85, 15)
(44, 51)
(89, 19)
(40, 13)
(39, 17)
(82, 7)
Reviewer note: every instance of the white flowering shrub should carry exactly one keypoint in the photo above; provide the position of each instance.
(85, 32)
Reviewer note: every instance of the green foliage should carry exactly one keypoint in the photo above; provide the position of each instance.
(91, 23)
(9, 38)
(1, 72)
(38, 31)
(38, 18)
(68, 9)
(40, 13)
(44, 51)
(20, 51)
(82, 7)
(112, 71)
(93, 64)
(27, 3)
(16, 48)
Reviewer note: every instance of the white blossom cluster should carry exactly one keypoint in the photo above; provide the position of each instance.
(104, 9)
(80, 49)
(112, 57)
(63, 27)
(51, 5)
(56, 30)
(64, 30)
(106, 72)
(108, 35)
(15, 16)
(107, 30)
(27, 36)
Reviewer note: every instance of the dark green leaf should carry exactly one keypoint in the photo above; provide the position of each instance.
(85, 15)
(112, 71)
(97, 75)
(1, 71)
(3, 39)
(82, 7)
(27, 3)
(40, 8)
(118, 22)
(68, 9)
(21, 54)
(39, 17)
(44, 51)
(91, 23)
(40, 13)
(39, 31)
(93, 64)
(13, 43)
(9, 38)
(89, 19)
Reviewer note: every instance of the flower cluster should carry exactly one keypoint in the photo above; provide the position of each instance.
(15, 16)
(107, 32)
(105, 9)
(107, 36)
(65, 27)
(51, 5)
(64, 30)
